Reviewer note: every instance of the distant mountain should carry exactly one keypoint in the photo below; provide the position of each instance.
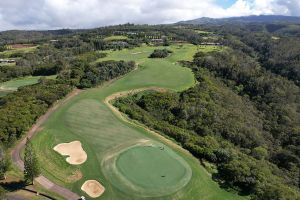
(245, 19)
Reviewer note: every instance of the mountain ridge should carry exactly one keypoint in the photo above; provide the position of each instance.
(244, 19)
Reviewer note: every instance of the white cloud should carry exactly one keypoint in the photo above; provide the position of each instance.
(258, 7)
(49, 14)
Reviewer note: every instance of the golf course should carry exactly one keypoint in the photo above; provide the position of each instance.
(13, 85)
(129, 161)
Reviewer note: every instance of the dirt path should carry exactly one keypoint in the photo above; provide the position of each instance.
(15, 197)
(46, 183)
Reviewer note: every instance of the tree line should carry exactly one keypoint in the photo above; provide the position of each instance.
(85, 75)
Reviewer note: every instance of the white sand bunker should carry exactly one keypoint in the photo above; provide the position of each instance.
(74, 150)
(135, 53)
(93, 188)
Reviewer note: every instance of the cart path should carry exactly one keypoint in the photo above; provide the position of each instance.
(42, 180)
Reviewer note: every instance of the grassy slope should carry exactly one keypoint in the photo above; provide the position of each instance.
(88, 119)
(8, 53)
(13, 85)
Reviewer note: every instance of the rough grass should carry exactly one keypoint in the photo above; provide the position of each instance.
(115, 38)
(88, 119)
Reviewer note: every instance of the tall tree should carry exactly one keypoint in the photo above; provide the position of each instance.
(31, 166)
(4, 166)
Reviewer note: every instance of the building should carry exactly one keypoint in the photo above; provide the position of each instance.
(7, 61)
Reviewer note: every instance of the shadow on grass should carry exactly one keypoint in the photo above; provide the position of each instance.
(21, 185)
(14, 186)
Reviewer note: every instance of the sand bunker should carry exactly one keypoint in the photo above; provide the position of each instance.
(93, 188)
(136, 53)
(74, 150)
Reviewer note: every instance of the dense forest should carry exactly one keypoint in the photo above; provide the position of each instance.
(19, 110)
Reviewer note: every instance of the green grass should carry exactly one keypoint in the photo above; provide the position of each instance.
(8, 53)
(88, 119)
(146, 169)
(203, 32)
(13, 85)
(140, 54)
(115, 38)
(140, 166)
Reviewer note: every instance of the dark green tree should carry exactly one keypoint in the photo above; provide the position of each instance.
(166, 42)
(4, 166)
(31, 166)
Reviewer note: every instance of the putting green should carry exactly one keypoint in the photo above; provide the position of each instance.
(150, 167)
(146, 169)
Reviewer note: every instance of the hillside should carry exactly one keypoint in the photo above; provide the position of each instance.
(244, 19)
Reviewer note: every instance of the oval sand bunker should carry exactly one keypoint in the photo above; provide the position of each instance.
(93, 188)
(74, 150)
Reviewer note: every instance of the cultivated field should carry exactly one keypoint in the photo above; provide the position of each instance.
(129, 161)
(13, 85)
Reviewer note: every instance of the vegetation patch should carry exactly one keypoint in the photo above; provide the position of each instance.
(160, 53)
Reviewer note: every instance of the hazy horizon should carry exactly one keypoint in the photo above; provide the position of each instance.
(81, 14)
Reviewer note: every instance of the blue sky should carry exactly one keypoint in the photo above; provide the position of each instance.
(226, 3)
(54, 14)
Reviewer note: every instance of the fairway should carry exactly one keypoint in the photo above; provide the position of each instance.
(13, 85)
(128, 168)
